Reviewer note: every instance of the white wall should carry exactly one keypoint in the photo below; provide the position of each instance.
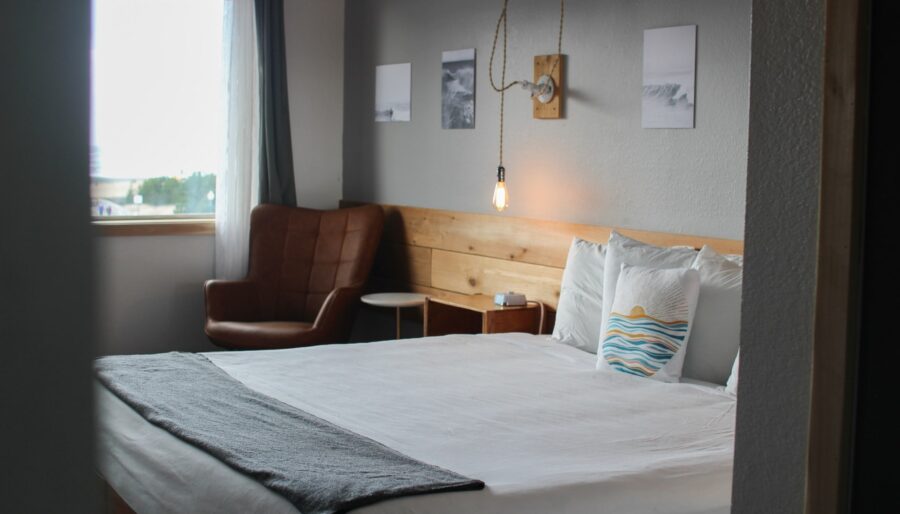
(150, 294)
(314, 39)
(780, 257)
(598, 165)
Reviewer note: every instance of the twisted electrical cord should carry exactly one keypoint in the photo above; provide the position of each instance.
(502, 20)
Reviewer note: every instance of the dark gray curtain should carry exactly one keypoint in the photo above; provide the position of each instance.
(276, 169)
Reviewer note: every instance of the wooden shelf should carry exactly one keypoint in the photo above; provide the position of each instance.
(477, 314)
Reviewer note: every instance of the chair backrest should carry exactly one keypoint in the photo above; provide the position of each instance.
(298, 256)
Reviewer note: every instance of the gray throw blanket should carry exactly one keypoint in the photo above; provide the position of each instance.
(318, 466)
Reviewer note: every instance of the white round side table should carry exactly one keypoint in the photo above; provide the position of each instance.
(395, 300)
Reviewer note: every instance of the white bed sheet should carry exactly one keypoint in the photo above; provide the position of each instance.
(534, 420)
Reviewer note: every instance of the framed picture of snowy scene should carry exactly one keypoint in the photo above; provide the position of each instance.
(458, 89)
(392, 92)
(669, 74)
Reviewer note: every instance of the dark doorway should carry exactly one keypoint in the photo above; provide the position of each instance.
(875, 469)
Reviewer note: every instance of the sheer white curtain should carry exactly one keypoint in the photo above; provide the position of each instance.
(238, 185)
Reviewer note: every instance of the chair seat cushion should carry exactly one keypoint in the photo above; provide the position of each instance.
(259, 334)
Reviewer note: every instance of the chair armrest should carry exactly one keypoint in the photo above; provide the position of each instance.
(335, 315)
(231, 300)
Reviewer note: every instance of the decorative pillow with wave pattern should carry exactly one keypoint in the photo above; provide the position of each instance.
(649, 326)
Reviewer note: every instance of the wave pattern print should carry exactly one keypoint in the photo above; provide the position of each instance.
(640, 344)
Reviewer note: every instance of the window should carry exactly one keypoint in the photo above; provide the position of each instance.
(157, 113)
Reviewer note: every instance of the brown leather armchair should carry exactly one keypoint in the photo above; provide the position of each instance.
(307, 268)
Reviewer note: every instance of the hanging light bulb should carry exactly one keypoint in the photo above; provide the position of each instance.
(501, 197)
(543, 90)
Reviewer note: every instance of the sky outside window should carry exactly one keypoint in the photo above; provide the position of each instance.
(157, 101)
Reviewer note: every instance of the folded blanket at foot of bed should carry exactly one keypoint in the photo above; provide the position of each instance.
(318, 466)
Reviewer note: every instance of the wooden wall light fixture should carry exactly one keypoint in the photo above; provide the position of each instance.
(546, 91)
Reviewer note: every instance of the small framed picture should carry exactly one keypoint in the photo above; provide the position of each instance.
(458, 89)
(392, 92)
(669, 72)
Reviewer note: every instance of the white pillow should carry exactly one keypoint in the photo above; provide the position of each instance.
(717, 326)
(650, 322)
(624, 250)
(580, 309)
(732, 384)
(736, 258)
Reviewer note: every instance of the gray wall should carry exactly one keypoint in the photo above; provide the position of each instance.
(314, 37)
(46, 279)
(596, 166)
(150, 294)
(780, 263)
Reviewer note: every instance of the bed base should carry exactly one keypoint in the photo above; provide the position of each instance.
(112, 503)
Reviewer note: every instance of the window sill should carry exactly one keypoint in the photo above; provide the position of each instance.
(155, 227)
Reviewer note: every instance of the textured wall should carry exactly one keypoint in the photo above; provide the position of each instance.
(780, 263)
(596, 166)
(46, 279)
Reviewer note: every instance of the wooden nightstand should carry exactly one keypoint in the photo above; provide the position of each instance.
(477, 314)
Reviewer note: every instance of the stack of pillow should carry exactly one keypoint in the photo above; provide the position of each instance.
(648, 311)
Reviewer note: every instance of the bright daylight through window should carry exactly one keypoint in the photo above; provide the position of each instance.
(157, 113)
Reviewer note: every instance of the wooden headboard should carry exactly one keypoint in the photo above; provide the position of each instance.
(446, 253)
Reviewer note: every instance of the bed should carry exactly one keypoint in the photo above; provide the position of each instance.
(530, 417)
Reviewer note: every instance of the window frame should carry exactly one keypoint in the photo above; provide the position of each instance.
(198, 223)
(173, 225)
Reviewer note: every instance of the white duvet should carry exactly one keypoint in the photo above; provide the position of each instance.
(534, 420)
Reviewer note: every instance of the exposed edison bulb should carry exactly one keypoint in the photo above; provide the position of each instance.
(501, 196)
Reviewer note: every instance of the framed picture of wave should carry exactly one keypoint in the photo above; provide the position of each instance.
(669, 76)
(392, 90)
(458, 89)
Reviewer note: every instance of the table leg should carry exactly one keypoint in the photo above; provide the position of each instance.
(398, 322)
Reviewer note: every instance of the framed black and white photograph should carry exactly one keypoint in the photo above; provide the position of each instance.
(392, 92)
(458, 89)
(669, 74)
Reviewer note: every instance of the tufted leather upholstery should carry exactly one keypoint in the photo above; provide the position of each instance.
(307, 268)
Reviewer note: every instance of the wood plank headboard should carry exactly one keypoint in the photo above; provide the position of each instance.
(446, 253)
